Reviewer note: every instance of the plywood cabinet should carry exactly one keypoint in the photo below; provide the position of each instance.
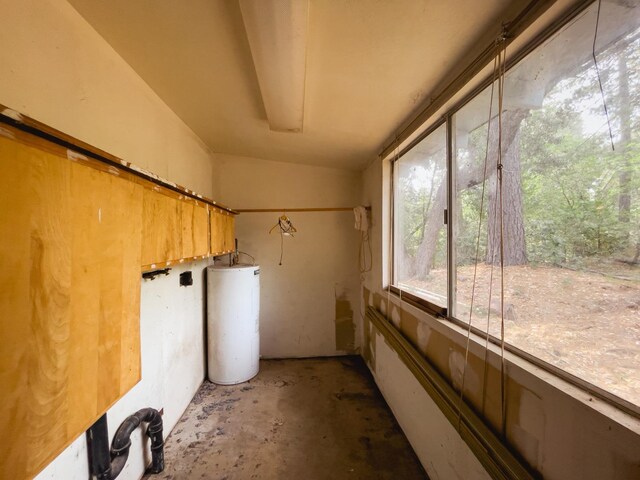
(161, 228)
(69, 297)
(222, 225)
(175, 228)
(74, 233)
(195, 229)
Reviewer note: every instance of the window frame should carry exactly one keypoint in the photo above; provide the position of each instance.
(444, 314)
(417, 301)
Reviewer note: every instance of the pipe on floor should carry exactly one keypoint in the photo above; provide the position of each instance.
(105, 463)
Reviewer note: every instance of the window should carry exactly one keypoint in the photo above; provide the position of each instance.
(570, 213)
(420, 234)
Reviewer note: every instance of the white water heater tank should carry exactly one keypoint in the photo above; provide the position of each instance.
(233, 329)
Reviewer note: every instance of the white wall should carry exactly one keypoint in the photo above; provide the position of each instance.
(561, 431)
(320, 265)
(440, 449)
(58, 70)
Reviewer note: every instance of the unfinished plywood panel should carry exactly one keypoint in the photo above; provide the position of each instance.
(69, 296)
(175, 228)
(195, 229)
(106, 231)
(34, 298)
(222, 231)
(161, 228)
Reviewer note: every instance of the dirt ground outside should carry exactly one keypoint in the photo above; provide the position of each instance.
(584, 322)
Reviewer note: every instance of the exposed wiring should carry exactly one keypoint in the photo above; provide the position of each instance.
(365, 244)
(281, 248)
(253, 260)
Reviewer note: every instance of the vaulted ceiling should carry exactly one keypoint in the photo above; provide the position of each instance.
(370, 64)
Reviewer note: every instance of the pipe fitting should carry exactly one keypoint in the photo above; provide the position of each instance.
(107, 464)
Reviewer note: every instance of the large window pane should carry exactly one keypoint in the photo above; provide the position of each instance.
(571, 204)
(420, 235)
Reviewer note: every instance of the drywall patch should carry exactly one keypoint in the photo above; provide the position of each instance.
(528, 431)
(395, 316)
(383, 307)
(369, 348)
(369, 344)
(380, 303)
(345, 327)
(409, 327)
(423, 333)
(456, 368)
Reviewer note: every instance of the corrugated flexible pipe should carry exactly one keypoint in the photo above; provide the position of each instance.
(105, 463)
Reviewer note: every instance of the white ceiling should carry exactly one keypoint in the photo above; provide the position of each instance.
(370, 65)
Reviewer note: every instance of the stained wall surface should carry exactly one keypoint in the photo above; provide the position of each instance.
(58, 70)
(309, 303)
(558, 429)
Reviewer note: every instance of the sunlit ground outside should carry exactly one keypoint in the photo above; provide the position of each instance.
(585, 322)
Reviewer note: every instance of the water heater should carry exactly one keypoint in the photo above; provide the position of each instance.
(233, 311)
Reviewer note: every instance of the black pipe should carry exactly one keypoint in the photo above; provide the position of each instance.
(107, 464)
(122, 440)
(98, 446)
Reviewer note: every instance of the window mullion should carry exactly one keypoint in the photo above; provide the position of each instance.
(450, 216)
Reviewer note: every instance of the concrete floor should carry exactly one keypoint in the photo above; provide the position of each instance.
(298, 419)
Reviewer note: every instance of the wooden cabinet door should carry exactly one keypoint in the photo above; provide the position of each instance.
(161, 228)
(222, 232)
(175, 228)
(69, 297)
(195, 229)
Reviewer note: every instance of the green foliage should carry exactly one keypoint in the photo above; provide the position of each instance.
(573, 185)
(571, 178)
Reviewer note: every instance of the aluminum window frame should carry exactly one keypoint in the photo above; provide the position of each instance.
(420, 302)
(444, 314)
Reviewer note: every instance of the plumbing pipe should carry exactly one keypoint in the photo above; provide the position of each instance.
(107, 465)
(98, 447)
